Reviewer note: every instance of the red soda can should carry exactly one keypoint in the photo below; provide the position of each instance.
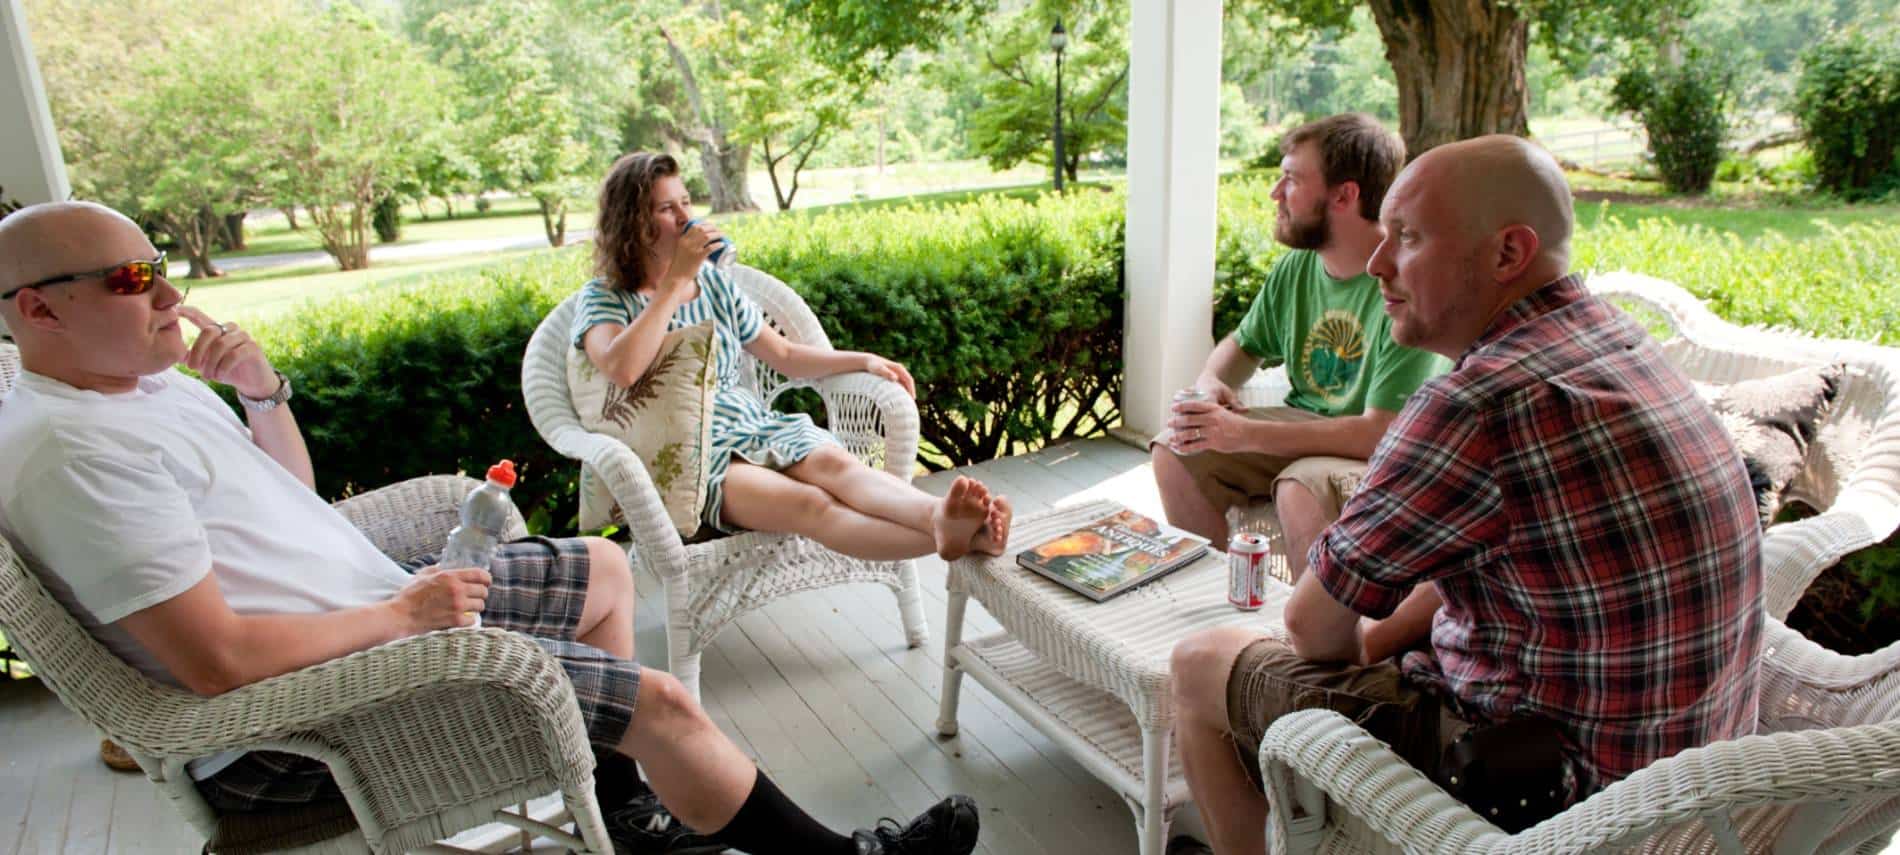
(1247, 571)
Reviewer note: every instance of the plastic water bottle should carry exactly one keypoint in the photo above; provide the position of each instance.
(724, 256)
(484, 516)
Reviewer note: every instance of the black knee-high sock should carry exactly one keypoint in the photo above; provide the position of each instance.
(616, 780)
(768, 822)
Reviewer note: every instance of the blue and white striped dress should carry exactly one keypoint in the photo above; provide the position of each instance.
(742, 424)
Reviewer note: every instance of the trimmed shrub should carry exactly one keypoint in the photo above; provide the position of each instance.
(1684, 110)
(386, 219)
(1008, 313)
(1848, 104)
(428, 379)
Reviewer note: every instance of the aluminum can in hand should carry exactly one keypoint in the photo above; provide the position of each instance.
(1188, 394)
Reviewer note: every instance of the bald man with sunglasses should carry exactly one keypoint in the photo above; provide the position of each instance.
(198, 551)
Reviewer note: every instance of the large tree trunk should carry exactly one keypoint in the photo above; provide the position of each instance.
(724, 163)
(553, 219)
(194, 233)
(344, 231)
(290, 217)
(1459, 66)
(231, 237)
(726, 166)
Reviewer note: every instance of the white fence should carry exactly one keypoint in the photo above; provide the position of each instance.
(1616, 145)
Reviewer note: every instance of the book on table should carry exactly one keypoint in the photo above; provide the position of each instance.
(1113, 554)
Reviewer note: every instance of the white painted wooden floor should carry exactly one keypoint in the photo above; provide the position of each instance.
(819, 689)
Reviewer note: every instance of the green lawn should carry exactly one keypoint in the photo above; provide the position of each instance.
(270, 234)
(249, 302)
(1796, 222)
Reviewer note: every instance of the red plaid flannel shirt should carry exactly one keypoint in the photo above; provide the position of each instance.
(1590, 528)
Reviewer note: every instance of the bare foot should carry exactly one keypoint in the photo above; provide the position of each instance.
(993, 538)
(958, 518)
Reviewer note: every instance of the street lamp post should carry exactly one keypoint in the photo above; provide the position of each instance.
(1059, 39)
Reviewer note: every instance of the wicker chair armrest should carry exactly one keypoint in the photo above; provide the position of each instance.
(1794, 553)
(860, 397)
(413, 518)
(1316, 756)
(632, 487)
(1312, 757)
(451, 668)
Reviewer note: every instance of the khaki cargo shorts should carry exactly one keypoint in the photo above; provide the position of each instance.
(1269, 680)
(1249, 478)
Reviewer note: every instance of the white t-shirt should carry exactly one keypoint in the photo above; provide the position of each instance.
(128, 500)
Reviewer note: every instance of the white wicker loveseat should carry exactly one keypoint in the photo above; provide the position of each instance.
(427, 736)
(712, 583)
(1822, 773)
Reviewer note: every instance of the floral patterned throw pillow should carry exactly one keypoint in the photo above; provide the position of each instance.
(665, 417)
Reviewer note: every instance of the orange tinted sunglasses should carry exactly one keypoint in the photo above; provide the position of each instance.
(125, 278)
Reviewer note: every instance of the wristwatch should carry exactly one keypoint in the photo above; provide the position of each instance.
(266, 404)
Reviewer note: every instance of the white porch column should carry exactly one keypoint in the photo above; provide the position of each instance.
(31, 167)
(1173, 151)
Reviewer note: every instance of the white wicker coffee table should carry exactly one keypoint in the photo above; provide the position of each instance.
(1092, 676)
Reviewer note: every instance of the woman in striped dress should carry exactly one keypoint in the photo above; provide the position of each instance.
(768, 471)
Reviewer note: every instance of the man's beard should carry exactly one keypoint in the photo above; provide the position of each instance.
(1308, 233)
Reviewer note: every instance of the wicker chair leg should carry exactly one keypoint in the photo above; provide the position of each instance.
(910, 604)
(683, 661)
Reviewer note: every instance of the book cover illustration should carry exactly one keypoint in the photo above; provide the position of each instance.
(1113, 553)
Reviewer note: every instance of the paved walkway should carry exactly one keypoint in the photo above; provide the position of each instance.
(401, 252)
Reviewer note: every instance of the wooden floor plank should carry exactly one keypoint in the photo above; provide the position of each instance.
(876, 784)
(830, 784)
(838, 686)
(1010, 815)
(1062, 791)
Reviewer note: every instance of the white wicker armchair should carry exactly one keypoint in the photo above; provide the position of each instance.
(1822, 775)
(427, 736)
(711, 584)
(1852, 476)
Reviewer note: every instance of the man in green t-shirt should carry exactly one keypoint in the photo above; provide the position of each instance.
(1323, 317)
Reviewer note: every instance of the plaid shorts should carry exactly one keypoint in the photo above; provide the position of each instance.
(539, 587)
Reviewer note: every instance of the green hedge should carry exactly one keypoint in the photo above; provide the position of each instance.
(1008, 312)
(428, 379)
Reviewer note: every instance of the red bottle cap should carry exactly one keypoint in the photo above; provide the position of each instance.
(503, 473)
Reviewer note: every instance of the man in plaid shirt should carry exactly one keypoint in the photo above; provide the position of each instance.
(1561, 510)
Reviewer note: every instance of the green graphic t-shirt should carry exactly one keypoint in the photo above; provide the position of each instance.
(1335, 339)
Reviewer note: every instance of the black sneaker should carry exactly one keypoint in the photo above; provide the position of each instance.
(948, 828)
(1185, 845)
(643, 826)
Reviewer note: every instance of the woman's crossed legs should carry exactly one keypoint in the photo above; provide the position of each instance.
(833, 498)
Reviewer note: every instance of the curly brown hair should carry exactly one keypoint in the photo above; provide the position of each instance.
(623, 223)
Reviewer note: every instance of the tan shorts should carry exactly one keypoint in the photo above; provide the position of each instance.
(1250, 477)
(1270, 680)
